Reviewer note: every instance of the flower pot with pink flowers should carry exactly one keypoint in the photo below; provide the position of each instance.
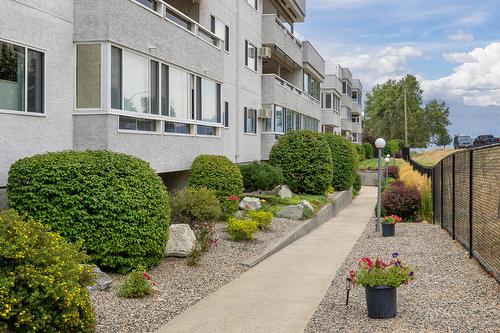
(381, 280)
(389, 225)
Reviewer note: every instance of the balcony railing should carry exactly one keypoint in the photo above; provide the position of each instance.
(283, 83)
(180, 19)
(283, 27)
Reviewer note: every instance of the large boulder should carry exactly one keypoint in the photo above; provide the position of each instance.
(294, 212)
(181, 240)
(304, 203)
(283, 192)
(248, 203)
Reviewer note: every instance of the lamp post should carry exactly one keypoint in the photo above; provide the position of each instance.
(387, 160)
(380, 144)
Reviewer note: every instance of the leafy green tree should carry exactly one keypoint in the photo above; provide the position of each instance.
(384, 113)
(442, 139)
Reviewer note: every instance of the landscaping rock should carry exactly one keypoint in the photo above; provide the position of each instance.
(294, 212)
(283, 191)
(181, 240)
(250, 203)
(104, 281)
(304, 203)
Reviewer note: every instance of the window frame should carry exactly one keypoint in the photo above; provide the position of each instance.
(44, 81)
(255, 5)
(248, 44)
(245, 115)
(226, 38)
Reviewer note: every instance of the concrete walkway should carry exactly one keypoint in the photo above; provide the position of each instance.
(281, 293)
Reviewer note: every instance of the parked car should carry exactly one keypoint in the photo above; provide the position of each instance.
(462, 141)
(484, 140)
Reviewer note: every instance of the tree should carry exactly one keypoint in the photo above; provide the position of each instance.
(442, 139)
(384, 113)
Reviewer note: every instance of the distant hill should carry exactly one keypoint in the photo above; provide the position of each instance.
(474, 120)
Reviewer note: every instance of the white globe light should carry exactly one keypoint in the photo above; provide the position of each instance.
(380, 143)
(388, 156)
(387, 160)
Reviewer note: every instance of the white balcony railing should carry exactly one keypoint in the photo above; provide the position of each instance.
(183, 21)
(285, 30)
(283, 83)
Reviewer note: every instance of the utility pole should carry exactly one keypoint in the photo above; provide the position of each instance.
(406, 117)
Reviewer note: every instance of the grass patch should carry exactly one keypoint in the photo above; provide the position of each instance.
(432, 157)
(372, 163)
(273, 203)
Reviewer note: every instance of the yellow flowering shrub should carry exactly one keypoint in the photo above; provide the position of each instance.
(43, 279)
(241, 229)
(264, 219)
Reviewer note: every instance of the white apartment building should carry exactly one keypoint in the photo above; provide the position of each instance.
(163, 80)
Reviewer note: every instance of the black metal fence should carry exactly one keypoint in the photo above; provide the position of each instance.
(466, 200)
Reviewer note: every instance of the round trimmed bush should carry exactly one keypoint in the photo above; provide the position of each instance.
(344, 159)
(195, 206)
(43, 279)
(217, 173)
(361, 152)
(306, 161)
(115, 203)
(401, 200)
(368, 150)
(261, 176)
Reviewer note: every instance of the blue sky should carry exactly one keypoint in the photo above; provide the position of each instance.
(452, 46)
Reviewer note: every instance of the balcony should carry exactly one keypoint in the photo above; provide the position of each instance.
(345, 73)
(274, 33)
(330, 117)
(356, 108)
(275, 90)
(312, 60)
(162, 32)
(346, 125)
(356, 128)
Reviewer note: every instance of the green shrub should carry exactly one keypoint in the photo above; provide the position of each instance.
(401, 200)
(136, 284)
(345, 161)
(306, 161)
(241, 229)
(115, 203)
(368, 150)
(361, 152)
(217, 173)
(43, 279)
(261, 176)
(204, 241)
(194, 206)
(356, 186)
(264, 219)
(392, 147)
(387, 183)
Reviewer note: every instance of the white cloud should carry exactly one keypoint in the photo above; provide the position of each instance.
(458, 57)
(461, 36)
(371, 69)
(476, 80)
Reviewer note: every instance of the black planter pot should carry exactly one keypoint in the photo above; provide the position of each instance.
(381, 302)
(388, 229)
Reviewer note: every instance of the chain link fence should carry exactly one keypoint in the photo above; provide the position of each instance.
(466, 201)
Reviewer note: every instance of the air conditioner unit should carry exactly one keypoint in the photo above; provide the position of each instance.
(265, 113)
(265, 52)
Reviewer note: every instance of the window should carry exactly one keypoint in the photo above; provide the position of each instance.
(210, 101)
(346, 88)
(137, 124)
(164, 90)
(180, 85)
(312, 86)
(21, 78)
(88, 76)
(298, 121)
(252, 3)
(328, 101)
(278, 119)
(311, 123)
(250, 56)
(179, 128)
(250, 120)
(218, 28)
(225, 114)
(206, 130)
(289, 115)
(151, 4)
(116, 78)
(155, 87)
(135, 83)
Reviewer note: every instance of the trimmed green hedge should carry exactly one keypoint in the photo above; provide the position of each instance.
(217, 173)
(115, 203)
(361, 152)
(345, 161)
(261, 176)
(356, 186)
(306, 161)
(43, 279)
(369, 151)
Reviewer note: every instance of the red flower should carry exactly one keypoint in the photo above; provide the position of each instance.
(368, 261)
(146, 275)
(234, 198)
(155, 284)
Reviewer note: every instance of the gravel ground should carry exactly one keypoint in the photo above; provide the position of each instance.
(450, 293)
(181, 285)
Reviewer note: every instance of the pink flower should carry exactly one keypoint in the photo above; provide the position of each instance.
(234, 198)
(146, 275)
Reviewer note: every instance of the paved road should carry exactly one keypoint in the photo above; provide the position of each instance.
(281, 293)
